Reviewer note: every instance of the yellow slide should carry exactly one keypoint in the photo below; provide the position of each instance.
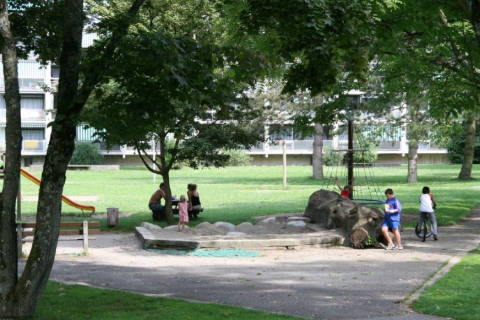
(64, 198)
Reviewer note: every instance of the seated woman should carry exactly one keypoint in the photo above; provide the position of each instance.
(193, 198)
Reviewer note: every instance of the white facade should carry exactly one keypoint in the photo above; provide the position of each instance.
(37, 110)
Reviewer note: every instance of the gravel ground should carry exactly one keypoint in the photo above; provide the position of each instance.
(317, 282)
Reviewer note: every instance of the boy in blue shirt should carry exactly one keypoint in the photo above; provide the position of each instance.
(391, 220)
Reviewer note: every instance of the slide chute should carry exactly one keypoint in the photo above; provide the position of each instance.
(65, 199)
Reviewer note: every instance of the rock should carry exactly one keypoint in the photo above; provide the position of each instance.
(271, 220)
(297, 224)
(234, 233)
(225, 225)
(245, 224)
(150, 226)
(330, 210)
(304, 219)
(204, 225)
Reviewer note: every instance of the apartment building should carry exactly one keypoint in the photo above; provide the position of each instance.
(38, 110)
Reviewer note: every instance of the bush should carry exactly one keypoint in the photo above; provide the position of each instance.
(86, 154)
(238, 158)
(332, 158)
(456, 147)
(336, 158)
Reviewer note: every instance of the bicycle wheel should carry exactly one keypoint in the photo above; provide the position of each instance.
(423, 230)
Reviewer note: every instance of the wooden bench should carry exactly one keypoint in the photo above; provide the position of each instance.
(75, 230)
(78, 167)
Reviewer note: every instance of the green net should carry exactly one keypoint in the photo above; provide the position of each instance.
(228, 253)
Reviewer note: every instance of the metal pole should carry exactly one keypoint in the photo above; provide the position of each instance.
(350, 155)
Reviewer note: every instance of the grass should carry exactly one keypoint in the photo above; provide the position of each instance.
(455, 295)
(75, 302)
(236, 195)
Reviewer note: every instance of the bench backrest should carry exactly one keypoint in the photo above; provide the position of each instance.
(66, 228)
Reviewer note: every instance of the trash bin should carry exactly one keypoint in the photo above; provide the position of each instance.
(112, 217)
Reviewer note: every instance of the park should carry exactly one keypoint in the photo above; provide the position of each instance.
(175, 92)
(260, 189)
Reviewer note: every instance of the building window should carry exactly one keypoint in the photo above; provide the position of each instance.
(31, 102)
(55, 72)
(26, 102)
(33, 134)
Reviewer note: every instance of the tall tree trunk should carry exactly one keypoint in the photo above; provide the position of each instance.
(467, 165)
(412, 162)
(317, 156)
(8, 235)
(42, 255)
(20, 299)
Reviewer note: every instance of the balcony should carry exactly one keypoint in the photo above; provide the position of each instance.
(34, 147)
(28, 115)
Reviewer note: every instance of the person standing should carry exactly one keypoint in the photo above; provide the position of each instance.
(391, 220)
(427, 205)
(182, 213)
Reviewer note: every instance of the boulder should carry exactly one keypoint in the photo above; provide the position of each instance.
(361, 224)
(328, 209)
(227, 226)
(269, 221)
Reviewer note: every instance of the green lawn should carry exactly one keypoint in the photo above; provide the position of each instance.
(236, 195)
(74, 302)
(455, 295)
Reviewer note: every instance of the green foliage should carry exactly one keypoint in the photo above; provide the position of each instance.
(365, 154)
(456, 146)
(86, 153)
(331, 157)
(194, 95)
(325, 41)
(238, 158)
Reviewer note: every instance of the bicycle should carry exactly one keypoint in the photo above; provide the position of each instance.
(423, 229)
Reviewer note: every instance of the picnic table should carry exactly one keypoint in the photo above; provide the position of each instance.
(191, 214)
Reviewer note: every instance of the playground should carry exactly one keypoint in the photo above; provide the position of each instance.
(238, 194)
(259, 192)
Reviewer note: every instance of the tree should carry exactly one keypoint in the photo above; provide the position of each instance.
(199, 108)
(439, 41)
(455, 144)
(320, 41)
(19, 296)
(277, 109)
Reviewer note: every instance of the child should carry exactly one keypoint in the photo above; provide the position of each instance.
(391, 220)
(182, 212)
(427, 204)
(347, 190)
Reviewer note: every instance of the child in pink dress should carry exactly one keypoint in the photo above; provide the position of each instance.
(182, 212)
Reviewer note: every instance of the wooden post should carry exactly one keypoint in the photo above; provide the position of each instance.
(19, 239)
(85, 237)
(19, 201)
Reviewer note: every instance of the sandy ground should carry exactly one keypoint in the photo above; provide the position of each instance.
(311, 281)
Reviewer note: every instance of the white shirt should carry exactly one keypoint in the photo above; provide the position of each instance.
(426, 203)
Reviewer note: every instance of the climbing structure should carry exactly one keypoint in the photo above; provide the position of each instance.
(349, 164)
